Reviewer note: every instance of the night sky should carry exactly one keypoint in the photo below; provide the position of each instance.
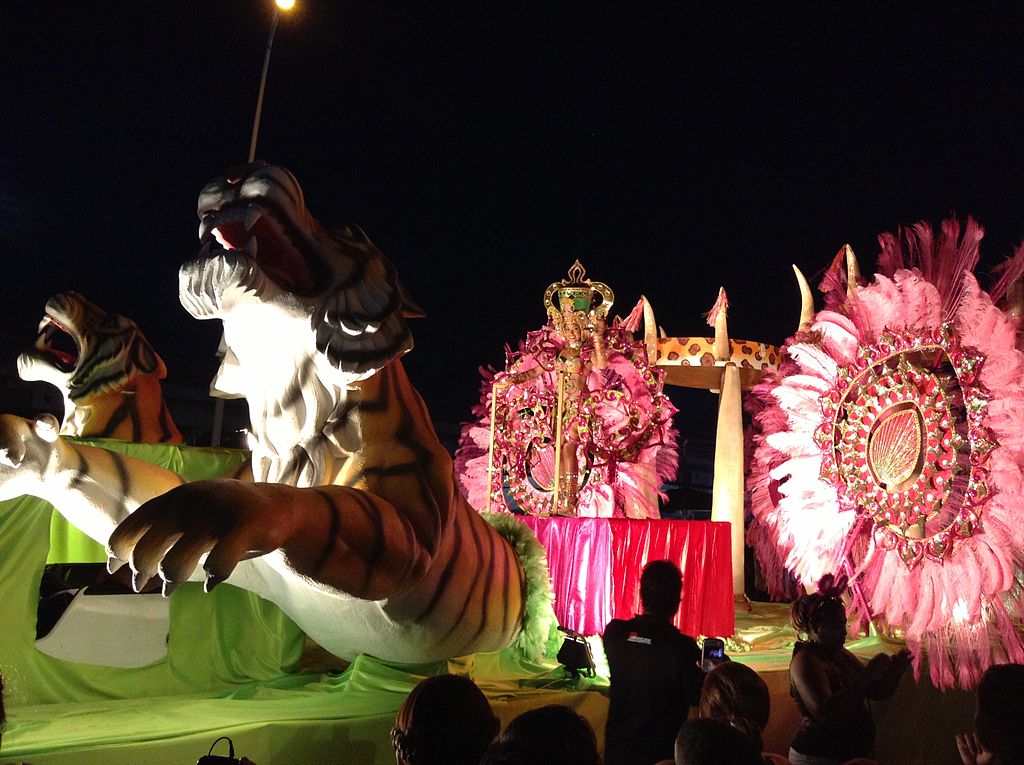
(671, 147)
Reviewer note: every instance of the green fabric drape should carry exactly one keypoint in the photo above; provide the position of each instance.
(229, 668)
(69, 545)
(214, 642)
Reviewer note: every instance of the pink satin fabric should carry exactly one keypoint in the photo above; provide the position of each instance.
(596, 563)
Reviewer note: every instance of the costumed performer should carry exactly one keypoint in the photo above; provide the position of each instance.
(577, 423)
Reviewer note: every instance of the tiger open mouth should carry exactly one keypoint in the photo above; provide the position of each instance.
(255, 230)
(57, 345)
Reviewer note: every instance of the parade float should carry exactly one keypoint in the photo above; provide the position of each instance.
(344, 525)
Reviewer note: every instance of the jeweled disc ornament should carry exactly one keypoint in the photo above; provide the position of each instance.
(904, 441)
(889, 447)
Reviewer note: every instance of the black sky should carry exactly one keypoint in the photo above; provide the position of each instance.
(671, 147)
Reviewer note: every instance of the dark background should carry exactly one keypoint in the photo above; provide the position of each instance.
(672, 147)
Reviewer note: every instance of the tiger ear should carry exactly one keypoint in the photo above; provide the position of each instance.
(362, 326)
(410, 309)
(47, 427)
(145, 358)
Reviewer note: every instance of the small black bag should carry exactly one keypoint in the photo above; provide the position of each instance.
(575, 654)
(216, 759)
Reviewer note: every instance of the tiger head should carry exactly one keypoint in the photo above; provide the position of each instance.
(86, 352)
(280, 279)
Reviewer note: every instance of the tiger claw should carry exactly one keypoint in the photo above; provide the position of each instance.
(212, 580)
(167, 588)
(114, 564)
(139, 581)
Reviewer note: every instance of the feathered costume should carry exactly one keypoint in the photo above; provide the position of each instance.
(621, 427)
(890, 447)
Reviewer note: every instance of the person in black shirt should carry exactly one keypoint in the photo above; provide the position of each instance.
(655, 673)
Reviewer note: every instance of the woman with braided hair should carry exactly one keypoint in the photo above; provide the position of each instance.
(831, 686)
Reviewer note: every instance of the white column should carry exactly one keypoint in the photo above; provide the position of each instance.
(727, 492)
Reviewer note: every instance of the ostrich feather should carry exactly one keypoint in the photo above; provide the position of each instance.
(721, 305)
(834, 282)
(1010, 272)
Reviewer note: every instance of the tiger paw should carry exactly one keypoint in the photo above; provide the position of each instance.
(26, 447)
(226, 521)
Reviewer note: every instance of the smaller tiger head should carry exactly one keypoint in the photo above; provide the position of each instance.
(85, 351)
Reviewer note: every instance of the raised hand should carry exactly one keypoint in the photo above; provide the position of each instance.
(972, 751)
(877, 668)
(882, 674)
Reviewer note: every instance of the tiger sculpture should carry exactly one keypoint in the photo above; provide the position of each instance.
(109, 375)
(354, 527)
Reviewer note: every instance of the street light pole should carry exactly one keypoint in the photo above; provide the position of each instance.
(217, 427)
(263, 85)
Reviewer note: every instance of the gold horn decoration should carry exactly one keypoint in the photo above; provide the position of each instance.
(727, 488)
(650, 331)
(728, 367)
(852, 270)
(806, 301)
(718, 318)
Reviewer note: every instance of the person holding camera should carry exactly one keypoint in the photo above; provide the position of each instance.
(655, 673)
